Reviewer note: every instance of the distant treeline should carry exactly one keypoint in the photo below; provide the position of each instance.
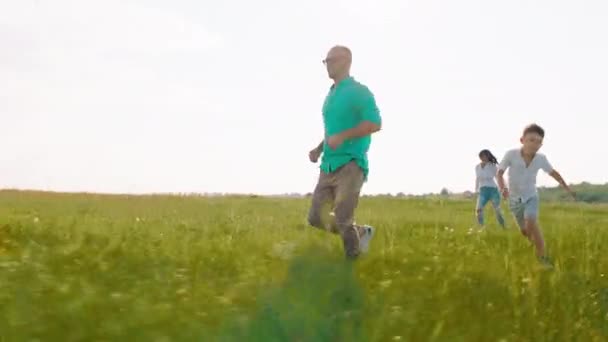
(585, 192)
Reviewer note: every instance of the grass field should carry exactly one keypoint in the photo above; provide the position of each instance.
(160, 268)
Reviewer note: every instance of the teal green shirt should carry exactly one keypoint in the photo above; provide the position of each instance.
(346, 105)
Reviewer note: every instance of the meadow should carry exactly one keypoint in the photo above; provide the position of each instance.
(84, 267)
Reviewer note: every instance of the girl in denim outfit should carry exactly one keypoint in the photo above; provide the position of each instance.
(486, 187)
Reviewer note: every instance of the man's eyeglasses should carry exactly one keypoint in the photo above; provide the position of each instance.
(329, 60)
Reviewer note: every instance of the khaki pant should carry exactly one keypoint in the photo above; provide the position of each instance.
(338, 190)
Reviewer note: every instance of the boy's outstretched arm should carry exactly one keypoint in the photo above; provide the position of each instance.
(558, 177)
(501, 183)
(504, 164)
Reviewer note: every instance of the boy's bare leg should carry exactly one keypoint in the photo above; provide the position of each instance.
(525, 233)
(533, 233)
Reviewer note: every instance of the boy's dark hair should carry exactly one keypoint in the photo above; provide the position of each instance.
(534, 128)
(490, 156)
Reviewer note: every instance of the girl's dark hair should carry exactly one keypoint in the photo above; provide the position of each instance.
(490, 156)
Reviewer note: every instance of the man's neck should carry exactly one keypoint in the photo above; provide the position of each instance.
(340, 78)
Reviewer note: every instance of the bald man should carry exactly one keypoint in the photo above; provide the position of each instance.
(350, 117)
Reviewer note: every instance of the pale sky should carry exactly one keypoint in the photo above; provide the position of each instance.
(225, 96)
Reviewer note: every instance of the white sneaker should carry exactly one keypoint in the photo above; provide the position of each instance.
(365, 238)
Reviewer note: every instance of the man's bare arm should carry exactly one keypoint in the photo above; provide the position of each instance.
(315, 153)
(363, 129)
(319, 148)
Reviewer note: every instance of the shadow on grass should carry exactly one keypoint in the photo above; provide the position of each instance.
(320, 300)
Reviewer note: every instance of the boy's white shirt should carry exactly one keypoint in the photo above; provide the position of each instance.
(485, 176)
(522, 179)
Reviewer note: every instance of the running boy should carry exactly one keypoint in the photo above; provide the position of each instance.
(523, 164)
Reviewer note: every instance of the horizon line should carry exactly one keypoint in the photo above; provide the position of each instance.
(237, 194)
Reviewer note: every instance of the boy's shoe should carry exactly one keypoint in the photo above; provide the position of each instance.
(546, 262)
(365, 238)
